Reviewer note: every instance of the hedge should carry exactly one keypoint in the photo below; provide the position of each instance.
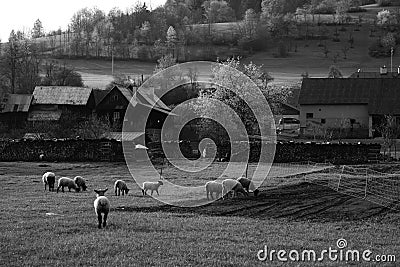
(93, 150)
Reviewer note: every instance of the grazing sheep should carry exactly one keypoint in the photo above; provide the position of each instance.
(213, 187)
(119, 186)
(67, 182)
(101, 205)
(232, 185)
(80, 182)
(153, 186)
(49, 178)
(248, 185)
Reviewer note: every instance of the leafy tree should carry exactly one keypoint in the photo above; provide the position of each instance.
(334, 72)
(250, 24)
(145, 32)
(390, 130)
(172, 39)
(165, 62)
(218, 11)
(224, 80)
(57, 75)
(37, 30)
(19, 64)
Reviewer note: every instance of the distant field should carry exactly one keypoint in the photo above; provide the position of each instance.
(41, 228)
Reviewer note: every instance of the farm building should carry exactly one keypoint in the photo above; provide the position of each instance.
(382, 73)
(51, 102)
(115, 103)
(353, 106)
(14, 109)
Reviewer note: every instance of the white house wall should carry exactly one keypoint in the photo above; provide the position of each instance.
(335, 116)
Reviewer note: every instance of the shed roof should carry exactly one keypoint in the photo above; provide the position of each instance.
(15, 103)
(61, 95)
(381, 95)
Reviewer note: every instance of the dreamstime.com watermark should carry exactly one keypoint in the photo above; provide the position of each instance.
(339, 253)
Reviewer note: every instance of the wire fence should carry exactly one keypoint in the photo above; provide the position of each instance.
(364, 183)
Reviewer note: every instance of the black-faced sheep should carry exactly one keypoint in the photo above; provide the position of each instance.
(153, 186)
(248, 185)
(67, 182)
(101, 206)
(232, 185)
(49, 178)
(80, 182)
(213, 187)
(119, 186)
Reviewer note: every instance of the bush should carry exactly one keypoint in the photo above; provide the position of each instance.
(378, 50)
(383, 3)
(356, 9)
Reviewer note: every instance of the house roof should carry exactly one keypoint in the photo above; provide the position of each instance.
(381, 95)
(148, 99)
(99, 94)
(61, 95)
(124, 136)
(15, 103)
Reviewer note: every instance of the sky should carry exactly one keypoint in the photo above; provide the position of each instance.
(22, 14)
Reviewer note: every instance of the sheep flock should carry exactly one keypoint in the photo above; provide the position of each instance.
(225, 189)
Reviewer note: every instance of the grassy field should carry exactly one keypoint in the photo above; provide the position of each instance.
(41, 228)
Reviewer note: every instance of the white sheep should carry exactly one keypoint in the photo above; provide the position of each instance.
(232, 185)
(248, 185)
(101, 206)
(119, 186)
(49, 178)
(153, 186)
(67, 182)
(80, 182)
(213, 187)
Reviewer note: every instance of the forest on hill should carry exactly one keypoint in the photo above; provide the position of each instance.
(191, 30)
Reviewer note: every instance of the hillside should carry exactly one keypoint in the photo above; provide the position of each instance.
(304, 56)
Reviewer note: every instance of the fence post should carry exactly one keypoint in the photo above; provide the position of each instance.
(340, 177)
(366, 183)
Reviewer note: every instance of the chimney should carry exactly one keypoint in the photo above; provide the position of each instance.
(383, 70)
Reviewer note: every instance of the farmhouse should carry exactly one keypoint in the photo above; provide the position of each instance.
(14, 109)
(115, 104)
(353, 106)
(51, 102)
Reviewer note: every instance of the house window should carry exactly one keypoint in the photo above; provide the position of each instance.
(15, 108)
(115, 97)
(116, 116)
(323, 121)
(309, 115)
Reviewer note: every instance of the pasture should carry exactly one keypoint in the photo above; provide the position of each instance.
(41, 228)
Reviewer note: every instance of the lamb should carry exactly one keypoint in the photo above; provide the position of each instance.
(49, 178)
(213, 187)
(248, 185)
(153, 186)
(119, 186)
(232, 185)
(67, 182)
(80, 182)
(101, 206)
